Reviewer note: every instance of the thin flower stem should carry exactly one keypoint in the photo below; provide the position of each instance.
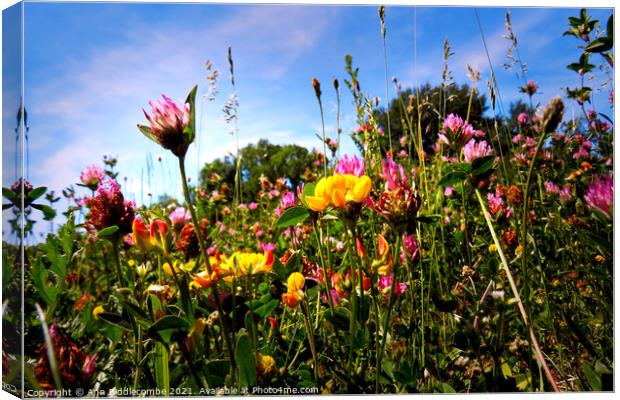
(325, 276)
(306, 313)
(515, 291)
(117, 262)
(205, 256)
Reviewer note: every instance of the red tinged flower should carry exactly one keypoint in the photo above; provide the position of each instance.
(272, 321)
(76, 367)
(361, 250)
(108, 207)
(187, 243)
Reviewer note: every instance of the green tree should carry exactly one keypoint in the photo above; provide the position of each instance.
(425, 104)
(263, 158)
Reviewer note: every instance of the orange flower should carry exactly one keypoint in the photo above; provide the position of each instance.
(140, 236)
(385, 260)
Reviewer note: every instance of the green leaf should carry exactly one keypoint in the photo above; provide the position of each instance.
(444, 388)
(48, 212)
(452, 178)
(109, 231)
(267, 308)
(162, 370)
(308, 191)
(164, 327)
(482, 165)
(146, 131)
(114, 319)
(610, 27)
(9, 194)
(593, 378)
(190, 129)
(523, 381)
(600, 45)
(215, 371)
(245, 361)
(37, 192)
(135, 311)
(293, 215)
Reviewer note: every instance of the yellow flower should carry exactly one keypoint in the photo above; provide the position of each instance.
(168, 269)
(131, 262)
(243, 264)
(338, 190)
(197, 331)
(295, 282)
(98, 310)
(492, 248)
(294, 293)
(267, 364)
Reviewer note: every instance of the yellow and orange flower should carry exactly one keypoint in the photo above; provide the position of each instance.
(385, 259)
(294, 293)
(157, 237)
(338, 190)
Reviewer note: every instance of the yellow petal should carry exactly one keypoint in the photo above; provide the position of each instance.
(316, 203)
(338, 198)
(295, 282)
(361, 189)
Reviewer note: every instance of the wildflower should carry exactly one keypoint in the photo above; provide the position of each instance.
(411, 245)
(600, 195)
(171, 125)
(266, 364)
(187, 242)
(294, 293)
(473, 150)
(350, 165)
(509, 236)
(522, 119)
(91, 177)
(79, 305)
(179, 217)
(108, 208)
(98, 310)
(164, 292)
(455, 132)
(492, 248)
(196, 332)
(496, 204)
(338, 191)
(288, 200)
(530, 88)
(385, 260)
(448, 191)
(76, 366)
(244, 264)
(252, 206)
(400, 201)
(385, 285)
(514, 195)
(168, 269)
(142, 270)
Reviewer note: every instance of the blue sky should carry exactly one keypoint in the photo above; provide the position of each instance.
(91, 67)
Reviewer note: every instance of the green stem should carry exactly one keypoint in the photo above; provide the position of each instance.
(325, 275)
(117, 261)
(205, 256)
(310, 333)
(386, 323)
(538, 353)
